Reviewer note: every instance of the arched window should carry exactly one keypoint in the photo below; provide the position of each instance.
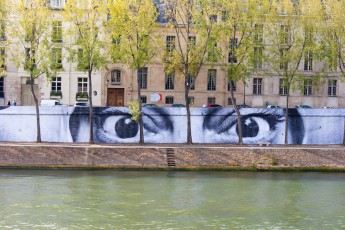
(116, 77)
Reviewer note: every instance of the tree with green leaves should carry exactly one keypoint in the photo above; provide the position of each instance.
(29, 29)
(333, 40)
(333, 36)
(194, 24)
(291, 46)
(3, 43)
(240, 35)
(135, 40)
(86, 29)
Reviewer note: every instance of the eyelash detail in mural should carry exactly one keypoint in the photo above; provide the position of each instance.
(257, 125)
(115, 126)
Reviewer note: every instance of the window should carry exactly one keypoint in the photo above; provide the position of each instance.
(283, 89)
(258, 34)
(283, 65)
(332, 87)
(308, 60)
(1, 87)
(169, 100)
(257, 57)
(2, 58)
(2, 31)
(212, 51)
(29, 58)
(169, 81)
(191, 82)
(309, 35)
(213, 18)
(56, 84)
(143, 99)
(233, 83)
(57, 31)
(115, 77)
(56, 4)
(191, 42)
(82, 85)
(81, 65)
(307, 87)
(142, 75)
(211, 79)
(230, 101)
(284, 35)
(257, 83)
(332, 62)
(57, 58)
(232, 53)
(170, 44)
(191, 100)
(211, 100)
(225, 15)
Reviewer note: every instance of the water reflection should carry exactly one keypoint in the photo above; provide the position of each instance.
(64, 199)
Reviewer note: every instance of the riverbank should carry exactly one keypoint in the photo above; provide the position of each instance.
(173, 156)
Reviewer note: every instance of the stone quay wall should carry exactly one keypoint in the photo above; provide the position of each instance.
(66, 155)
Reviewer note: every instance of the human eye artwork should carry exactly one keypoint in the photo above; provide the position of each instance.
(258, 125)
(115, 125)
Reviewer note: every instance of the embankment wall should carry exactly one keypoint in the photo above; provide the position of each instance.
(181, 156)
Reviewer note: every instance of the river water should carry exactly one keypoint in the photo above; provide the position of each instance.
(109, 199)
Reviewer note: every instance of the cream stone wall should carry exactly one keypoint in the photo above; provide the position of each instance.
(156, 84)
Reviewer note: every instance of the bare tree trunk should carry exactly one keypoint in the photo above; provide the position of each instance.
(140, 118)
(287, 115)
(186, 96)
(244, 92)
(238, 115)
(38, 123)
(344, 133)
(90, 108)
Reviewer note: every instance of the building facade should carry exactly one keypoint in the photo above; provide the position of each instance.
(117, 85)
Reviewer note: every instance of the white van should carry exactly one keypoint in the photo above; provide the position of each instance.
(50, 102)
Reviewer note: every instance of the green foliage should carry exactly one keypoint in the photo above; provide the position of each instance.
(134, 110)
(81, 95)
(31, 27)
(56, 93)
(135, 38)
(87, 30)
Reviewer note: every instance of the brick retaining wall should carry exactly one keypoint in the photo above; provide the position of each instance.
(112, 156)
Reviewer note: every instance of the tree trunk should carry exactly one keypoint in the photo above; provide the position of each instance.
(287, 116)
(90, 108)
(38, 123)
(186, 96)
(244, 92)
(140, 118)
(238, 115)
(344, 133)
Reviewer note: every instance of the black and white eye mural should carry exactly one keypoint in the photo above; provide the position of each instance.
(168, 125)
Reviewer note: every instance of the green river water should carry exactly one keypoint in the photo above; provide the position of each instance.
(109, 199)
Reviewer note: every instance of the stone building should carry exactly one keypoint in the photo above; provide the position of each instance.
(117, 85)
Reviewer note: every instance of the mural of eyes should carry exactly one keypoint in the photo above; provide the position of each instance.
(258, 125)
(114, 125)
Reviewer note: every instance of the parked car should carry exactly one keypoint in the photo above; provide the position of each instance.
(81, 104)
(150, 106)
(328, 107)
(303, 107)
(274, 107)
(213, 105)
(178, 105)
(240, 106)
(50, 102)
